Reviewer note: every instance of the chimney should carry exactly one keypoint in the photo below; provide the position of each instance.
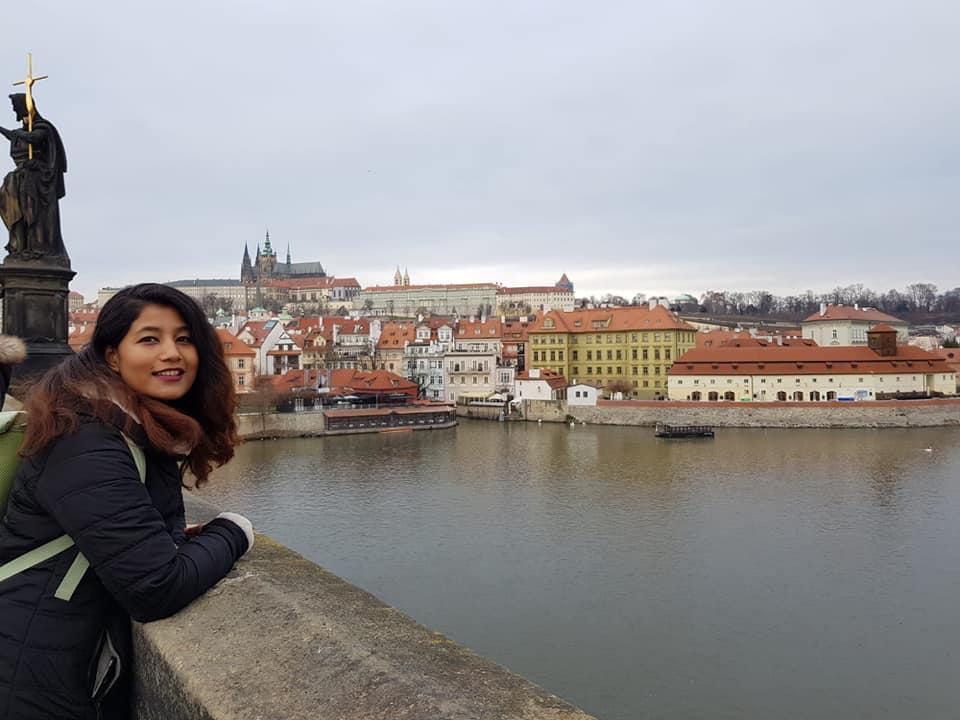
(823, 309)
(856, 306)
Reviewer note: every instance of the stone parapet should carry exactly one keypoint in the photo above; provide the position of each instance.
(874, 414)
(282, 638)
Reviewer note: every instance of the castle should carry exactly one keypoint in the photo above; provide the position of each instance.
(266, 267)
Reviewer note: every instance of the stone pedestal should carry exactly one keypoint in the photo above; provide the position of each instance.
(35, 296)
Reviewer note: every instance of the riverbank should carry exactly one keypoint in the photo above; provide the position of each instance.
(877, 414)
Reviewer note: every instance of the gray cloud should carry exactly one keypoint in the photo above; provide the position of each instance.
(656, 147)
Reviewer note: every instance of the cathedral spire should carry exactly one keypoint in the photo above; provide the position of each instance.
(267, 250)
(288, 253)
(246, 254)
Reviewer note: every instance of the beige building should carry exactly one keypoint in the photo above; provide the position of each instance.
(534, 299)
(239, 357)
(801, 373)
(411, 300)
(848, 325)
(469, 375)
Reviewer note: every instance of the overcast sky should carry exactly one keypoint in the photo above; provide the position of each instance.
(662, 147)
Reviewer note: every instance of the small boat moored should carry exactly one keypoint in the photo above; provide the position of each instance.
(683, 431)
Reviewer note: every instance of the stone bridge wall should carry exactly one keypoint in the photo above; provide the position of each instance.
(283, 639)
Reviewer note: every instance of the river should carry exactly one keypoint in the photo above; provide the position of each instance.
(762, 574)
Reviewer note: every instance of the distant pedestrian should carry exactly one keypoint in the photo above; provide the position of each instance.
(154, 376)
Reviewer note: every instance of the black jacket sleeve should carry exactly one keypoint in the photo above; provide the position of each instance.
(91, 487)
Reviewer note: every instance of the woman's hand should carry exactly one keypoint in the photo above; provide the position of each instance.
(194, 530)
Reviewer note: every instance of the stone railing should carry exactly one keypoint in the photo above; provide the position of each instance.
(281, 638)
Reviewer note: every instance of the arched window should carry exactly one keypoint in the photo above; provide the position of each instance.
(781, 395)
(798, 395)
(696, 396)
(728, 396)
(815, 396)
(713, 396)
(831, 395)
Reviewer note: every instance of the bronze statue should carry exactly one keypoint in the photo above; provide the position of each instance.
(31, 192)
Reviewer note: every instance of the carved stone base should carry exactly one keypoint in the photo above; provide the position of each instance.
(35, 302)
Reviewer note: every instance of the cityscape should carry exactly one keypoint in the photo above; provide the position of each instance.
(451, 361)
(290, 327)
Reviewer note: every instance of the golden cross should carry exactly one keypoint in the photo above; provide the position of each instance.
(28, 82)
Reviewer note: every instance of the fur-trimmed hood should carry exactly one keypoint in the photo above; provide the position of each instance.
(12, 350)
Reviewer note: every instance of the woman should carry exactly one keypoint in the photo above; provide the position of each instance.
(154, 374)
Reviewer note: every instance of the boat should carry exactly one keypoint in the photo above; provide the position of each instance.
(683, 431)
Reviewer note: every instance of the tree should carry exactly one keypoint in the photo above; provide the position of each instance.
(951, 343)
(620, 386)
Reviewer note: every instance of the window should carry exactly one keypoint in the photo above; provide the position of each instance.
(619, 355)
(609, 354)
(553, 355)
(241, 380)
(666, 354)
(560, 355)
(589, 354)
(575, 355)
(619, 370)
(646, 354)
(656, 353)
(575, 370)
(241, 363)
(646, 370)
(633, 370)
(589, 370)
(633, 354)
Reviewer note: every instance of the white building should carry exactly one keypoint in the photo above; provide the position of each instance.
(536, 384)
(582, 394)
(848, 325)
(810, 374)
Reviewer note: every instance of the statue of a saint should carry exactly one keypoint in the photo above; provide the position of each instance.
(31, 192)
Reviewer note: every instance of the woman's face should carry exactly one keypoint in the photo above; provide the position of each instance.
(156, 357)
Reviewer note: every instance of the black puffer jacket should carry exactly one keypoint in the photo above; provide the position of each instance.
(141, 565)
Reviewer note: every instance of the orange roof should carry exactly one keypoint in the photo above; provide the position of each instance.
(463, 286)
(79, 339)
(848, 312)
(415, 410)
(345, 381)
(554, 379)
(882, 328)
(805, 360)
(532, 289)
(624, 319)
(396, 335)
(232, 345)
(476, 330)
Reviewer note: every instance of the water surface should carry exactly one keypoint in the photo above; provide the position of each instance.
(766, 573)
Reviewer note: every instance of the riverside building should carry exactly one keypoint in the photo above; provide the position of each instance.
(628, 349)
(802, 373)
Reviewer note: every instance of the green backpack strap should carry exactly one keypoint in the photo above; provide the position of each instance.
(80, 564)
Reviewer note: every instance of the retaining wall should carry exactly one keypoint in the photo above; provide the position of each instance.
(876, 414)
(282, 638)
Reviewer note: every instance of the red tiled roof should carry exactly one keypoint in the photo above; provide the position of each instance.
(848, 312)
(477, 330)
(232, 345)
(345, 381)
(805, 360)
(627, 319)
(532, 289)
(882, 328)
(396, 335)
(79, 339)
(554, 379)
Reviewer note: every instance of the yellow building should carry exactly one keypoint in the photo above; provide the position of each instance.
(627, 349)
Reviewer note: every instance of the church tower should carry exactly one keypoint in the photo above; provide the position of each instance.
(406, 277)
(267, 260)
(397, 277)
(246, 267)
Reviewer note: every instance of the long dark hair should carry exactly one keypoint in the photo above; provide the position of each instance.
(202, 420)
